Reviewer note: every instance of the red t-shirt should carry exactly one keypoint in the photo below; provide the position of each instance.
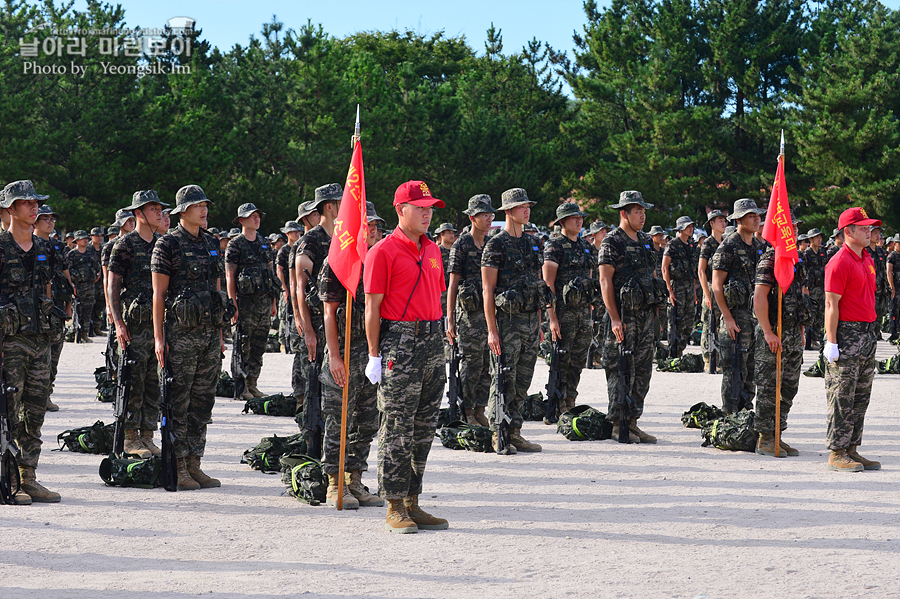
(853, 278)
(392, 267)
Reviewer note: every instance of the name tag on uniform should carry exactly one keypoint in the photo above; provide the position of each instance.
(535, 248)
(759, 252)
(41, 257)
(647, 246)
(265, 247)
(213, 253)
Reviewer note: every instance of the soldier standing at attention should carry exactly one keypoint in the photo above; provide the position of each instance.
(882, 287)
(814, 259)
(570, 266)
(837, 240)
(130, 291)
(403, 284)
(283, 271)
(98, 314)
(123, 226)
(597, 232)
(189, 313)
(85, 271)
(851, 332)
(26, 271)
(734, 270)
(717, 223)
(446, 236)
(308, 217)
(627, 262)
(511, 287)
(678, 272)
(893, 277)
(465, 311)
(253, 287)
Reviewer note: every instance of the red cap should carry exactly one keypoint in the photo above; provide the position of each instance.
(856, 216)
(417, 194)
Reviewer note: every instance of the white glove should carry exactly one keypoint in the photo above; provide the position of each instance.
(831, 352)
(373, 369)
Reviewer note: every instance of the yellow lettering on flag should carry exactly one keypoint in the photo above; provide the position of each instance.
(338, 224)
(346, 239)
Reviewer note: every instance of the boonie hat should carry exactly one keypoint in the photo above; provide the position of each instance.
(417, 194)
(122, 216)
(566, 210)
(290, 226)
(744, 207)
(856, 216)
(812, 233)
(188, 196)
(713, 214)
(81, 234)
(327, 193)
(145, 196)
(479, 204)
(683, 222)
(371, 215)
(45, 209)
(445, 227)
(20, 190)
(112, 230)
(97, 231)
(597, 226)
(627, 198)
(246, 210)
(656, 230)
(512, 198)
(305, 209)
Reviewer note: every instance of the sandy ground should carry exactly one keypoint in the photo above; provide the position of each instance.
(594, 519)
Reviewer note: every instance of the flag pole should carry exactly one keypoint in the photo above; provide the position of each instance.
(778, 333)
(344, 400)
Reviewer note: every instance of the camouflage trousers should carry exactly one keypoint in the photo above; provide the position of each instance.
(26, 366)
(299, 373)
(409, 397)
(57, 341)
(519, 344)
(362, 411)
(848, 383)
(98, 314)
(817, 299)
(194, 359)
(639, 338)
(707, 329)
(575, 325)
(684, 313)
(285, 320)
(882, 308)
(765, 364)
(475, 365)
(255, 319)
(143, 402)
(86, 299)
(745, 342)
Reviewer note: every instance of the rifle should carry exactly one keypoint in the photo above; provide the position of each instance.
(76, 319)
(123, 392)
(711, 345)
(738, 397)
(453, 393)
(313, 424)
(623, 398)
(238, 372)
(110, 353)
(554, 384)
(674, 337)
(10, 482)
(501, 417)
(167, 412)
(893, 316)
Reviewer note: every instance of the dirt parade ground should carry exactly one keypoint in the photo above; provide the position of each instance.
(590, 519)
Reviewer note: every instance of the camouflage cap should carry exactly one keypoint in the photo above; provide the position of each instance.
(598, 226)
(328, 193)
(112, 230)
(81, 234)
(188, 196)
(730, 229)
(234, 232)
(812, 233)
(627, 198)
(744, 207)
(700, 234)
(714, 214)
(479, 204)
(145, 196)
(835, 233)
(97, 231)
(656, 230)
(802, 237)
(45, 209)
(371, 215)
(445, 227)
(122, 216)
(20, 190)
(567, 209)
(70, 234)
(683, 223)
(169, 210)
(512, 198)
(291, 226)
(305, 209)
(246, 210)
(213, 231)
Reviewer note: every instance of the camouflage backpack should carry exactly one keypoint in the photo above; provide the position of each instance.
(459, 435)
(697, 334)
(269, 450)
(97, 438)
(304, 478)
(584, 423)
(661, 353)
(817, 370)
(272, 405)
(273, 343)
(131, 471)
(106, 387)
(225, 385)
(889, 366)
(701, 414)
(534, 407)
(686, 363)
(733, 432)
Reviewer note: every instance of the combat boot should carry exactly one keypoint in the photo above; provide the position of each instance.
(520, 443)
(331, 495)
(510, 448)
(253, 389)
(480, 417)
(52, 407)
(361, 492)
(247, 395)
(706, 363)
(792, 453)
(570, 403)
(839, 461)
(185, 482)
(133, 444)
(199, 476)
(398, 520)
(867, 464)
(765, 445)
(470, 417)
(35, 490)
(644, 437)
(423, 519)
(147, 442)
(21, 498)
(632, 436)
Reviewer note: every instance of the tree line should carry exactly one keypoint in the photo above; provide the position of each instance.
(683, 100)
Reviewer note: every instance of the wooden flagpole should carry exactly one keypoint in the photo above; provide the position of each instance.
(778, 333)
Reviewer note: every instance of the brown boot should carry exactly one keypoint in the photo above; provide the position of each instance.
(644, 437)
(398, 520)
(37, 492)
(331, 495)
(423, 519)
(480, 417)
(632, 436)
(149, 445)
(361, 492)
(20, 497)
(470, 417)
(520, 443)
(185, 482)
(200, 477)
(133, 444)
(867, 464)
(510, 448)
(792, 453)
(839, 461)
(765, 445)
(253, 389)
(52, 407)
(570, 403)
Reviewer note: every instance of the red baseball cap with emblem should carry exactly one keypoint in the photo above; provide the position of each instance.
(417, 194)
(856, 216)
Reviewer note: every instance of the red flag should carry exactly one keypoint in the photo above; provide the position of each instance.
(779, 231)
(351, 228)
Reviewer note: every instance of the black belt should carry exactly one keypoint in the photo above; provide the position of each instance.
(417, 328)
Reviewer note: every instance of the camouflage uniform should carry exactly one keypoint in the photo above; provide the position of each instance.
(739, 260)
(471, 328)
(848, 383)
(576, 260)
(314, 245)
(518, 262)
(300, 364)
(83, 268)
(362, 409)
(445, 260)
(894, 259)
(882, 287)
(61, 291)
(707, 250)
(815, 283)
(794, 315)
(682, 274)
(194, 344)
(285, 309)
(130, 260)
(98, 313)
